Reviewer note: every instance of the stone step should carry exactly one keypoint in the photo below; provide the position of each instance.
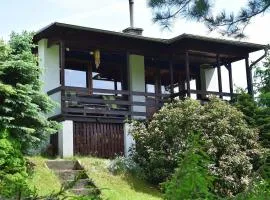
(81, 183)
(63, 165)
(71, 174)
(80, 191)
(85, 191)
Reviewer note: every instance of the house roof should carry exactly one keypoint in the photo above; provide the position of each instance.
(44, 32)
(205, 49)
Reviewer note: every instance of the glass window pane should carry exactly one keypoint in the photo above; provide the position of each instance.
(75, 78)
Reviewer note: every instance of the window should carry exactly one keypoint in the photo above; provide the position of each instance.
(75, 78)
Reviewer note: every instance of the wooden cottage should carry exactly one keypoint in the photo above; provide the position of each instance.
(101, 78)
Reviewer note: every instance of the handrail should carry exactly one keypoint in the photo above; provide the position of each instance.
(202, 92)
(135, 93)
(97, 90)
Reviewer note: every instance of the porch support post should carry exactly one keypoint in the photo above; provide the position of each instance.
(219, 76)
(157, 86)
(62, 52)
(157, 82)
(198, 86)
(249, 77)
(181, 87)
(187, 73)
(229, 67)
(171, 78)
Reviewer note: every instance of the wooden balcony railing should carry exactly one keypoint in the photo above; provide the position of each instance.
(77, 102)
(104, 103)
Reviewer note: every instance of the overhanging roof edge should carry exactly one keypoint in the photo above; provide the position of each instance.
(159, 40)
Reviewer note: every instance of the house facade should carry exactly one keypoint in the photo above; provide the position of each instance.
(102, 78)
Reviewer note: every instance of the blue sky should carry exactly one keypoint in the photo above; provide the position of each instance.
(18, 15)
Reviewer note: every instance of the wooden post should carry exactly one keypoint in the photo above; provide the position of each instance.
(198, 86)
(187, 74)
(62, 52)
(157, 82)
(171, 77)
(181, 86)
(89, 79)
(157, 87)
(219, 76)
(229, 67)
(115, 86)
(249, 77)
(128, 82)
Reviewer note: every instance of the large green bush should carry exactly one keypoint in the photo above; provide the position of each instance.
(13, 171)
(159, 143)
(231, 145)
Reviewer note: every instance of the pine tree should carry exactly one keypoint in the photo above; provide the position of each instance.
(23, 106)
(230, 24)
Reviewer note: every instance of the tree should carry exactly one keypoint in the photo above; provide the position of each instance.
(230, 24)
(191, 179)
(257, 113)
(23, 107)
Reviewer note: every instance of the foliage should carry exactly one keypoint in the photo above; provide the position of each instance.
(191, 179)
(22, 104)
(231, 145)
(257, 113)
(23, 107)
(165, 11)
(122, 164)
(259, 190)
(13, 171)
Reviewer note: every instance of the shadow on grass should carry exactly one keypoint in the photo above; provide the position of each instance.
(140, 186)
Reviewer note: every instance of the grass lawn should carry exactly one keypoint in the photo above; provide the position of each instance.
(113, 187)
(43, 178)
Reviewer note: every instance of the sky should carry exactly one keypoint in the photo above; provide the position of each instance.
(32, 15)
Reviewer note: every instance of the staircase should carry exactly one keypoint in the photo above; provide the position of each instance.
(72, 174)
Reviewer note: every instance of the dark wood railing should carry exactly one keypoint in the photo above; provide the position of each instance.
(82, 102)
(76, 101)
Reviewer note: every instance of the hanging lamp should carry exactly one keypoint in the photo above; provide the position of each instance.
(97, 57)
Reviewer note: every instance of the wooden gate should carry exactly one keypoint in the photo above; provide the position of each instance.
(98, 139)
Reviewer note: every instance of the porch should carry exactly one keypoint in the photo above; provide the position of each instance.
(104, 93)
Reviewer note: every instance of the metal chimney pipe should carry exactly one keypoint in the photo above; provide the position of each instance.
(131, 2)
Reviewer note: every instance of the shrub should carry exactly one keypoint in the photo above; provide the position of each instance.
(191, 179)
(159, 143)
(231, 145)
(259, 190)
(13, 171)
(123, 165)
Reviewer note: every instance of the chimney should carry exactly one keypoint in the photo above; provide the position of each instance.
(132, 30)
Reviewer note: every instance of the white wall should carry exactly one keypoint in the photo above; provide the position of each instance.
(65, 139)
(49, 63)
(137, 80)
(128, 139)
(209, 80)
(136, 83)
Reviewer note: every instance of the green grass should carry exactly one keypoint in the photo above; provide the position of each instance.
(117, 187)
(43, 179)
(113, 187)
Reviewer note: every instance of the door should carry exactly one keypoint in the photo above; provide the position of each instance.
(104, 140)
